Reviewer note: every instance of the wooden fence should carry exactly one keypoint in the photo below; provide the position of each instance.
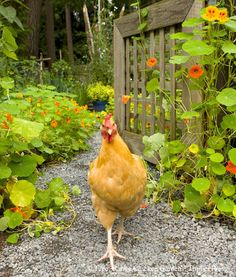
(147, 113)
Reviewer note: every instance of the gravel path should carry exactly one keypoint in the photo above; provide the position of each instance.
(165, 245)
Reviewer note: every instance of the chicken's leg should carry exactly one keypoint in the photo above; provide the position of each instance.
(110, 251)
(120, 231)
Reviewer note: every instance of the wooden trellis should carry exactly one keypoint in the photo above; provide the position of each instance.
(146, 113)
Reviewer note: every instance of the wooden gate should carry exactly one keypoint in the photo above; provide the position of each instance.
(147, 113)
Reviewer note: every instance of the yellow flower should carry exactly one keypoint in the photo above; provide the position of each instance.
(19, 95)
(193, 148)
(223, 16)
(211, 13)
(29, 99)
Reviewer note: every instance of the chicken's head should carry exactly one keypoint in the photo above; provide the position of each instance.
(108, 128)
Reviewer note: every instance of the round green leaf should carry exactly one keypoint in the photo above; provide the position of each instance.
(227, 97)
(152, 85)
(229, 47)
(15, 219)
(216, 143)
(7, 82)
(210, 151)
(193, 200)
(42, 199)
(13, 238)
(225, 205)
(218, 168)
(201, 184)
(228, 189)
(179, 59)
(176, 206)
(76, 191)
(22, 193)
(217, 157)
(232, 155)
(197, 48)
(5, 171)
(229, 122)
(23, 167)
(234, 211)
(3, 223)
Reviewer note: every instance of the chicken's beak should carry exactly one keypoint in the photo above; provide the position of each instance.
(109, 132)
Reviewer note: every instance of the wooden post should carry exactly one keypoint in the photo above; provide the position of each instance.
(88, 31)
(41, 60)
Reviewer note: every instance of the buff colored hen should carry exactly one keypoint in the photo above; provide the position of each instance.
(117, 179)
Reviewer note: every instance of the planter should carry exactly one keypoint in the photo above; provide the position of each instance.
(99, 105)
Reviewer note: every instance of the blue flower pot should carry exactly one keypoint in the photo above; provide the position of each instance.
(99, 106)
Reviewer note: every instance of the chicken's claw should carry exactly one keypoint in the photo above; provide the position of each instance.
(121, 232)
(110, 254)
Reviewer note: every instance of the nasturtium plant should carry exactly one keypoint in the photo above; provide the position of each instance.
(198, 168)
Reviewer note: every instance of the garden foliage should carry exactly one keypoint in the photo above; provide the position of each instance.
(200, 177)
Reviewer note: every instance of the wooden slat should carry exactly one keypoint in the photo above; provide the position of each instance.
(143, 89)
(161, 14)
(153, 97)
(162, 77)
(127, 81)
(172, 89)
(119, 78)
(135, 83)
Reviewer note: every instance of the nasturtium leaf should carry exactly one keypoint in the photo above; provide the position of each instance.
(57, 186)
(39, 159)
(232, 155)
(13, 238)
(190, 114)
(227, 97)
(231, 25)
(193, 200)
(181, 36)
(192, 22)
(20, 146)
(201, 162)
(59, 201)
(176, 206)
(229, 47)
(15, 219)
(197, 48)
(152, 85)
(225, 205)
(229, 122)
(216, 142)
(217, 157)
(5, 171)
(27, 129)
(210, 151)
(23, 166)
(36, 142)
(4, 145)
(142, 26)
(42, 198)
(7, 83)
(153, 143)
(176, 146)
(218, 168)
(76, 191)
(201, 184)
(22, 193)
(181, 162)
(179, 59)
(228, 189)
(234, 211)
(3, 223)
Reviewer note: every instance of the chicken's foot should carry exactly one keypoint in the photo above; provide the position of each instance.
(120, 231)
(111, 253)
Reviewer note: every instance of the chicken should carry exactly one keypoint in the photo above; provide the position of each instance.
(118, 180)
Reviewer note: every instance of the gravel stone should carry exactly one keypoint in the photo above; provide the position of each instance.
(165, 246)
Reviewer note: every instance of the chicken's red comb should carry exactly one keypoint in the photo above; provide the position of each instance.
(108, 117)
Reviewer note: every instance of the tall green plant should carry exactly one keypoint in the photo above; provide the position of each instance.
(202, 173)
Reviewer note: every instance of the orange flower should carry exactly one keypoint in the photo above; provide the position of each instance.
(68, 120)
(144, 205)
(57, 104)
(58, 112)
(211, 13)
(76, 110)
(186, 121)
(9, 117)
(54, 123)
(223, 16)
(32, 113)
(43, 113)
(82, 124)
(19, 210)
(231, 167)
(5, 125)
(195, 71)
(151, 62)
(125, 99)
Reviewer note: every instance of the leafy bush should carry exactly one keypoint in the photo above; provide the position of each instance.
(201, 176)
(100, 92)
